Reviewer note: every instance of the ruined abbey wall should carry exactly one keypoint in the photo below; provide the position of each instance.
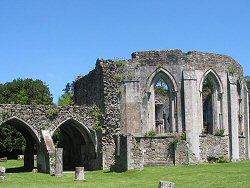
(47, 117)
(114, 124)
(101, 88)
(38, 123)
(127, 89)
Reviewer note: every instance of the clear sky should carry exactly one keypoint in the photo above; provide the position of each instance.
(57, 40)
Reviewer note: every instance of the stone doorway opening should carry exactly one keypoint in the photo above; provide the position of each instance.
(27, 145)
(78, 147)
(211, 104)
(162, 107)
(162, 102)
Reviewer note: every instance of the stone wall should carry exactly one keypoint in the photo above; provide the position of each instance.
(111, 123)
(191, 60)
(31, 121)
(47, 117)
(137, 152)
(213, 147)
(157, 151)
(137, 71)
(121, 89)
(101, 87)
(242, 146)
(88, 90)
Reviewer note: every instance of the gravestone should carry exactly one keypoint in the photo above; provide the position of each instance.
(79, 174)
(166, 184)
(59, 162)
(4, 159)
(2, 173)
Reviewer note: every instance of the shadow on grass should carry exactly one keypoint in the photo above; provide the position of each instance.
(18, 170)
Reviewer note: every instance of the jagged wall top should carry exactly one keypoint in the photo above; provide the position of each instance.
(192, 59)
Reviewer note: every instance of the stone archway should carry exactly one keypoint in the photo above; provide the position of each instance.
(32, 145)
(164, 76)
(79, 148)
(211, 97)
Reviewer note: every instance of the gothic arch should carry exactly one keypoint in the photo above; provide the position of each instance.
(166, 75)
(216, 79)
(32, 141)
(160, 124)
(211, 90)
(73, 121)
(24, 124)
(79, 143)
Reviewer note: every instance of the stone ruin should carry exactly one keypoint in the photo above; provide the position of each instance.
(158, 108)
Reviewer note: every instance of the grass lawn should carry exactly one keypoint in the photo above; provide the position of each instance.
(210, 175)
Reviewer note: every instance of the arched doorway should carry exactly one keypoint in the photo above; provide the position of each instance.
(162, 107)
(211, 103)
(77, 143)
(30, 145)
(162, 110)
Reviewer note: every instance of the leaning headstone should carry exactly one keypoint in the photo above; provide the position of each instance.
(2, 173)
(166, 184)
(4, 159)
(59, 162)
(79, 174)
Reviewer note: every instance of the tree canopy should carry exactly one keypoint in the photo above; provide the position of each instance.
(67, 97)
(25, 92)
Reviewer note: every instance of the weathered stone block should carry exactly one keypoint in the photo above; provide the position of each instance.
(59, 162)
(166, 184)
(79, 174)
(2, 173)
(4, 159)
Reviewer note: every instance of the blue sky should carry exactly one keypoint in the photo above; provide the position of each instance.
(57, 40)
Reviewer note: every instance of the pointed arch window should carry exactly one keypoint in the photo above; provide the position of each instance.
(162, 112)
(212, 103)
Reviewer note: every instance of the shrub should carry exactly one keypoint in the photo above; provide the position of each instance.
(119, 77)
(183, 135)
(98, 125)
(223, 159)
(120, 63)
(150, 133)
(219, 132)
(241, 115)
(52, 113)
(98, 117)
(231, 70)
(212, 159)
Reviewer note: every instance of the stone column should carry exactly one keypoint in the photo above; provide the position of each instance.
(29, 155)
(130, 107)
(48, 152)
(59, 162)
(246, 121)
(79, 174)
(41, 162)
(191, 106)
(233, 118)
